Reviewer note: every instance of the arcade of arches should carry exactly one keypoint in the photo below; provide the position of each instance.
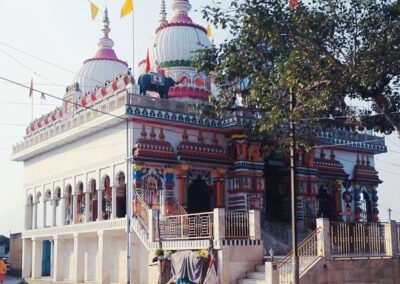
(77, 206)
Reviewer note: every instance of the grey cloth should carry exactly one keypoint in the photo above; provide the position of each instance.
(187, 265)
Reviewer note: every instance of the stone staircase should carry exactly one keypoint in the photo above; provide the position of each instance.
(255, 277)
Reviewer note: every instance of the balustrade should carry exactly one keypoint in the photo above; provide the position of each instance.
(237, 225)
(190, 226)
(358, 239)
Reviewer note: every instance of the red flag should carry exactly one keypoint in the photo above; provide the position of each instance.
(31, 88)
(147, 70)
(293, 4)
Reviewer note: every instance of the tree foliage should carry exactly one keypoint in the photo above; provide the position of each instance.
(328, 52)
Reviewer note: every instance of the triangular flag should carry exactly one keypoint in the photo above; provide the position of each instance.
(147, 70)
(126, 8)
(94, 10)
(293, 4)
(209, 31)
(31, 89)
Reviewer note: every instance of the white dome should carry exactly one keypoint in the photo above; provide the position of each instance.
(174, 43)
(178, 39)
(103, 66)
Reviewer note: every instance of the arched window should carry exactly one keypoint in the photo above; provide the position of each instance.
(80, 205)
(107, 199)
(121, 195)
(68, 205)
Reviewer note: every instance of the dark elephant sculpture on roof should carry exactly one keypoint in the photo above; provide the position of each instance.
(154, 82)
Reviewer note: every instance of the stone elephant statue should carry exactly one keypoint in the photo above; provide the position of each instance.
(154, 82)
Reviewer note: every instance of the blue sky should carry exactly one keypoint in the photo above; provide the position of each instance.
(63, 33)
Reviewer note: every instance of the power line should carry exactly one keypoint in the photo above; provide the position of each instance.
(48, 62)
(61, 99)
(25, 66)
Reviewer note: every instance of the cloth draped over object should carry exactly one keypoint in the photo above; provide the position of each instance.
(188, 266)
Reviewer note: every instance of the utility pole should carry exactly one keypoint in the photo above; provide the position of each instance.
(292, 129)
(128, 196)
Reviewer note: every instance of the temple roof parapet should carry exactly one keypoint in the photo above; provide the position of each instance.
(339, 138)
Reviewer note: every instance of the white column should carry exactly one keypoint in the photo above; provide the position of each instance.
(54, 206)
(113, 202)
(44, 212)
(219, 223)
(79, 258)
(102, 260)
(62, 204)
(58, 261)
(28, 216)
(323, 238)
(153, 214)
(272, 273)
(26, 258)
(74, 209)
(35, 209)
(87, 207)
(100, 205)
(36, 258)
(254, 225)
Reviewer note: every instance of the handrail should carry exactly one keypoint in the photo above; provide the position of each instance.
(302, 244)
(181, 210)
(307, 253)
(141, 210)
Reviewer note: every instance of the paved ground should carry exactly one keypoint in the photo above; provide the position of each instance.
(11, 280)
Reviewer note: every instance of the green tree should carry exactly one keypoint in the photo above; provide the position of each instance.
(328, 52)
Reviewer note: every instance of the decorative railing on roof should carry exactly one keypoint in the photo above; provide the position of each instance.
(345, 138)
(81, 116)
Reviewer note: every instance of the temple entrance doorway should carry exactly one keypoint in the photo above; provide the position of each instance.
(199, 197)
(46, 258)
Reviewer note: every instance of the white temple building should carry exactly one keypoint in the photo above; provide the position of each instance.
(160, 177)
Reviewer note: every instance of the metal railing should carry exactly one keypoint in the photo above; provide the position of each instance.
(308, 255)
(358, 239)
(179, 209)
(237, 225)
(185, 227)
(141, 211)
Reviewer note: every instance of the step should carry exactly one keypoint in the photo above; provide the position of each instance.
(260, 268)
(256, 275)
(251, 281)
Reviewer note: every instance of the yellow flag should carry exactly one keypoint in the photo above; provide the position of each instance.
(94, 10)
(126, 8)
(209, 31)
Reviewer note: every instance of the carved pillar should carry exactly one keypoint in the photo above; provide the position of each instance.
(74, 209)
(114, 202)
(100, 205)
(87, 207)
(168, 194)
(44, 212)
(35, 209)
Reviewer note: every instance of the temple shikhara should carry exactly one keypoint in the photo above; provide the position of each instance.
(161, 180)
